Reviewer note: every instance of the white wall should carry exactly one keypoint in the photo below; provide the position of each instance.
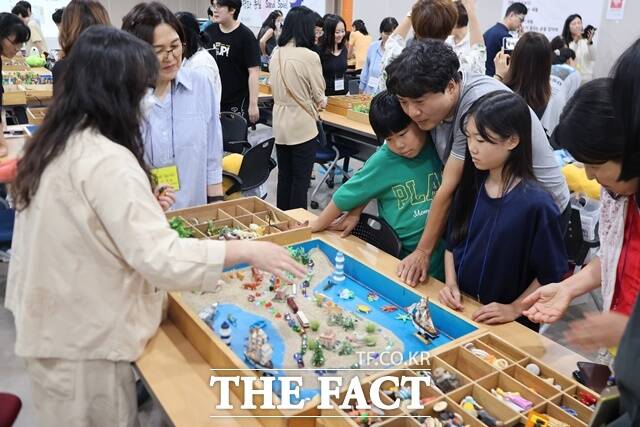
(613, 36)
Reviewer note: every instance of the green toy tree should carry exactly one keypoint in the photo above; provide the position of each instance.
(314, 325)
(371, 328)
(312, 344)
(348, 323)
(318, 356)
(346, 349)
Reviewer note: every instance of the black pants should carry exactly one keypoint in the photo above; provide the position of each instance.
(295, 164)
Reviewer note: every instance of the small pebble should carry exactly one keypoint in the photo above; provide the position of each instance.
(440, 406)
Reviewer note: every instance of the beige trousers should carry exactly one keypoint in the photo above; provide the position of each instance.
(83, 393)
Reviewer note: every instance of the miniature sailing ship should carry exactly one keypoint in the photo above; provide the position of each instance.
(421, 317)
(258, 350)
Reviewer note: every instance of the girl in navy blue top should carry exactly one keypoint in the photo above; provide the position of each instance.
(504, 238)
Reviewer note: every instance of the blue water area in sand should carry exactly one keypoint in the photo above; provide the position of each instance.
(362, 281)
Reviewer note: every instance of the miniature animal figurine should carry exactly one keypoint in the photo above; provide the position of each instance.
(389, 308)
(250, 286)
(363, 308)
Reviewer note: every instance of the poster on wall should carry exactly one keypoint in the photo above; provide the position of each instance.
(548, 16)
(254, 12)
(615, 10)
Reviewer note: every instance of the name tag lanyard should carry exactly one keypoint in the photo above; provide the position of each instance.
(173, 148)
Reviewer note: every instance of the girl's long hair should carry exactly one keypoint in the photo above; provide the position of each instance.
(530, 70)
(504, 114)
(108, 102)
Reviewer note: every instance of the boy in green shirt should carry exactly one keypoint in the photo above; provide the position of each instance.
(403, 176)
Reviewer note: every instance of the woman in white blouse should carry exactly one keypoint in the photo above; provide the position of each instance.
(582, 44)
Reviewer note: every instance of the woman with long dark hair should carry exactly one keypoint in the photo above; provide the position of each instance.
(500, 212)
(581, 43)
(13, 34)
(196, 56)
(183, 135)
(359, 42)
(298, 95)
(372, 69)
(269, 33)
(527, 71)
(78, 16)
(333, 55)
(93, 254)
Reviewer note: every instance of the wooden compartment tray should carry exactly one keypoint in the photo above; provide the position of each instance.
(342, 104)
(243, 214)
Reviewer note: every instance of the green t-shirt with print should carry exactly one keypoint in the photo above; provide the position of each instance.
(404, 189)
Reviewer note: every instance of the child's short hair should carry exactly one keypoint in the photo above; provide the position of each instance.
(386, 115)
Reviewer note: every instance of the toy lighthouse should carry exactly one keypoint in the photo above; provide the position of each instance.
(225, 333)
(338, 273)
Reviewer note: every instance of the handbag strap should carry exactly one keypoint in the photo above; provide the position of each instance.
(289, 90)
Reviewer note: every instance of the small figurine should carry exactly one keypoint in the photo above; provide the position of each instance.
(421, 316)
(302, 319)
(389, 308)
(209, 313)
(327, 339)
(329, 285)
(346, 349)
(346, 294)
(314, 325)
(318, 357)
(338, 273)
(298, 358)
(404, 317)
(232, 320)
(291, 302)
(445, 381)
(225, 333)
(251, 286)
(256, 274)
(372, 297)
(363, 308)
(258, 350)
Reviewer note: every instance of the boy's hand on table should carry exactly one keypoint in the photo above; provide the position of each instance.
(496, 314)
(548, 303)
(450, 296)
(345, 224)
(597, 330)
(413, 269)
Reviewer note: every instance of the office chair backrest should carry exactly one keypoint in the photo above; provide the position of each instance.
(257, 165)
(234, 129)
(378, 232)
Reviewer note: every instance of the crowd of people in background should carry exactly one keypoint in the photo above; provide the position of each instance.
(475, 113)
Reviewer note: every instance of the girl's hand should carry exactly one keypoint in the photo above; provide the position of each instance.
(496, 314)
(273, 259)
(501, 62)
(413, 269)
(547, 304)
(345, 224)
(450, 296)
(597, 330)
(166, 196)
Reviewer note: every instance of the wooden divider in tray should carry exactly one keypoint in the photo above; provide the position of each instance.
(477, 378)
(241, 214)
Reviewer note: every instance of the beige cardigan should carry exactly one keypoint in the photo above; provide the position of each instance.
(302, 72)
(93, 256)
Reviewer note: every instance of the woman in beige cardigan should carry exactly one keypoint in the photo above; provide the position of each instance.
(298, 93)
(93, 254)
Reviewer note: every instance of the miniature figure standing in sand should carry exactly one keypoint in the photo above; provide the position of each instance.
(338, 273)
(421, 317)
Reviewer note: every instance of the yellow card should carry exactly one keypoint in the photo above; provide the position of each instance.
(167, 175)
